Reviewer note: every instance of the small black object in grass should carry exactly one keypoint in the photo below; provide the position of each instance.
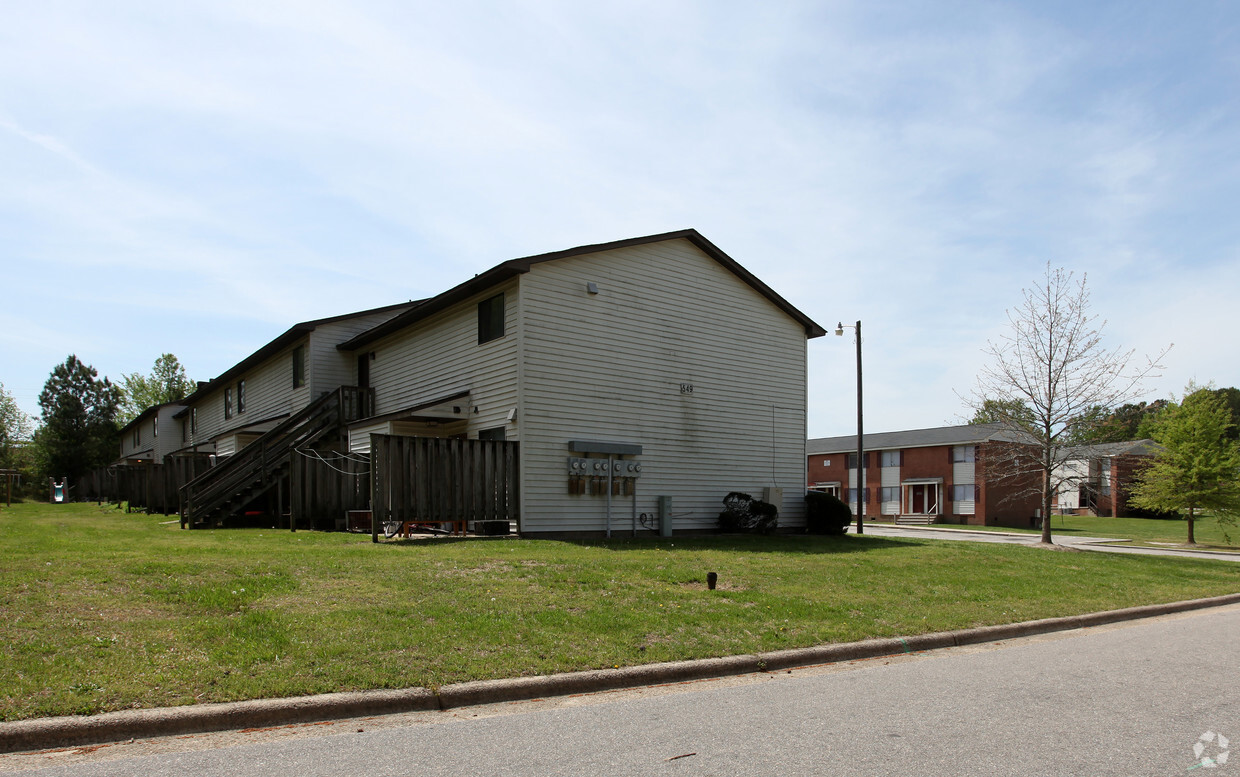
(711, 579)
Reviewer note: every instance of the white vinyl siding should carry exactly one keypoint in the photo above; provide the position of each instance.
(617, 365)
(963, 473)
(268, 394)
(440, 357)
(169, 438)
(269, 386)
(889, 481)
(328, 368)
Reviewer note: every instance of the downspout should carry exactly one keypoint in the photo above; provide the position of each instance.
(609, 481)
(633, 485)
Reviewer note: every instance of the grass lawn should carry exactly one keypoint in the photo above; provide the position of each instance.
(1146, 531)
(100, 610)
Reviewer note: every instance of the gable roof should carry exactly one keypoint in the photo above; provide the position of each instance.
(1112, 449)
(967, 434)
(150, 411)
(290, 336)
(514, 267)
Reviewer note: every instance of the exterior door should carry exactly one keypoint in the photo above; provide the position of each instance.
(923, 498)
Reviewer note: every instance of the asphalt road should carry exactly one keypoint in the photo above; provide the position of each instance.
(1126, 699)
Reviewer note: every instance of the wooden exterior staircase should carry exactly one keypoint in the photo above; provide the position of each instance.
(236, 481)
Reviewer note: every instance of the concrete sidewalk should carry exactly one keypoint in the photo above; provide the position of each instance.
(1101, 544)
(143, 724)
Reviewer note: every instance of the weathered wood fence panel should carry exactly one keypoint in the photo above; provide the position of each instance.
(437, 479)
(323, 485)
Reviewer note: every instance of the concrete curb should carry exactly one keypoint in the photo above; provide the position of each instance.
(44, 733)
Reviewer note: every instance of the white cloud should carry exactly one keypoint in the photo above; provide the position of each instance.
(245, 166)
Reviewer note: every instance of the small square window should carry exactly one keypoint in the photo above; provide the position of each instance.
(498, 433)
(491, 319)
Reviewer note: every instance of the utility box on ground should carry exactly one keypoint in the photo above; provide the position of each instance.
(665, 516)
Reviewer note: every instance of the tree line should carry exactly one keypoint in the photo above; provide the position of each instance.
(81, 415)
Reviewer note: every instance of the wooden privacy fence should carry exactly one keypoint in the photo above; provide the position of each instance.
(324, 485)
(434, 479)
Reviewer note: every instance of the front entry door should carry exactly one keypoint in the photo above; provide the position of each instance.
(923, 499)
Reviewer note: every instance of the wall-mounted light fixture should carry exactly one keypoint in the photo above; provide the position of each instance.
(591, 287)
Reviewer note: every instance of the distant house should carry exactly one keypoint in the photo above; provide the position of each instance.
(626, 386)
(1097, 479)
(153, 434)
(951, 474)
(137, 474)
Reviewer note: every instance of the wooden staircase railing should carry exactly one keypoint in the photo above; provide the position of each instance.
(238, 479)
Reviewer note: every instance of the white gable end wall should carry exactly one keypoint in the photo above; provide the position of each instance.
(674, 353)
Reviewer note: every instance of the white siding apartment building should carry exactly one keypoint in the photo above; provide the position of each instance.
(659, 354)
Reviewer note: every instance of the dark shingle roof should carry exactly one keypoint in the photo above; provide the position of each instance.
(912, 438)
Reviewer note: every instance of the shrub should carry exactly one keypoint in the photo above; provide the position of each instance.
(826, 514)
(743, 513)
(764, 516)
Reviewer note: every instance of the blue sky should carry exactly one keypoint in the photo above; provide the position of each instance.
(195, 177)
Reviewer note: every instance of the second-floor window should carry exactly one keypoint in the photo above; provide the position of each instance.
(964, 454)
(491, 319)
(137, 437)
(241, 396)
(892, 459)
(228, 402)
(852, 460)
(155, 428)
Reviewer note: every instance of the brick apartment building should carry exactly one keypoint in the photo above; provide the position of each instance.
(1097, 480)
(952, 474)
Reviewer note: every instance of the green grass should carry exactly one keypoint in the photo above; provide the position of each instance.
(1149, 531)
(100, 610)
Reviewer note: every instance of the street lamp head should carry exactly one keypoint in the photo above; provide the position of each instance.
(839, 329)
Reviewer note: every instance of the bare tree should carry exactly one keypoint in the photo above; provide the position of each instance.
(1053, 366)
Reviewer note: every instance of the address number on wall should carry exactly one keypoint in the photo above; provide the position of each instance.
(686, 388)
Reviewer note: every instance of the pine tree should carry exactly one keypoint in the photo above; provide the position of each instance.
(79, 430)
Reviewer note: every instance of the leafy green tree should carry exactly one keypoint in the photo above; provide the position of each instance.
(1231, 396)
(1199, 466)
(166, 383)
(15, 429)
(999, 411)
(1130, 421)
(79, 430)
